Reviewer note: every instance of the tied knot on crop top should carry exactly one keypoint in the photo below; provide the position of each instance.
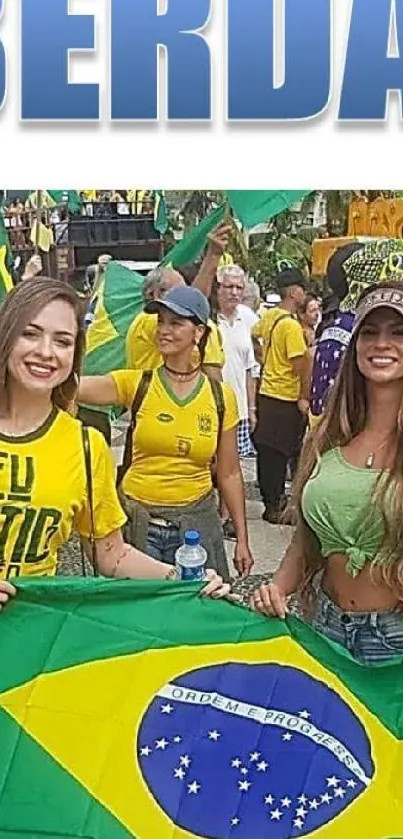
(337, 506)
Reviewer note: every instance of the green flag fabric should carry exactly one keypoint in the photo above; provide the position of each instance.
(6, 260)
(67, 196)
(118, 302)
(137, 709)
(256, 206)
(192, 245)
(160, 212)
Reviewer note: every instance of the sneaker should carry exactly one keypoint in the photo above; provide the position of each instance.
(228, 529)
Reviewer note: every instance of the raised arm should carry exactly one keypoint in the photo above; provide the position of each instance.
(218, 243)
(98, 390)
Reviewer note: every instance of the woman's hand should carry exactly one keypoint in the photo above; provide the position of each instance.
(215, 587)
(270, 600)
(243, 560)
(6, 591)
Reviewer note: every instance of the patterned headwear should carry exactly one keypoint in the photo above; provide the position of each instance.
(376, 262)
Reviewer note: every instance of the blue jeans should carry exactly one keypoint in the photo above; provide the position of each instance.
(163, 542)
(370, 637)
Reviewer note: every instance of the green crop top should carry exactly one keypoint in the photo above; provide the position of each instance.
(336, 504)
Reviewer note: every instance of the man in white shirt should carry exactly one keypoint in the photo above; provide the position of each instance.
(238, 349)
(239, 359)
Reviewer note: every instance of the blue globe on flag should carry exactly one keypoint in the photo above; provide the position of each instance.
(236, 751)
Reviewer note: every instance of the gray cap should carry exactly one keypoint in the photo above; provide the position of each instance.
(381, 297)
(184, 301)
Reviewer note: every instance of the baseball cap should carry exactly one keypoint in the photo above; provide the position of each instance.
(379, 298)
(289, 277)
(185, 301)
(272, 300)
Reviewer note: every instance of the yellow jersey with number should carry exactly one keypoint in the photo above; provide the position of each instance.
(142, 352)
(174, 440)
(43, 494)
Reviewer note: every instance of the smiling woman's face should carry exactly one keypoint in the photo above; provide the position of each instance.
(42, 357)
(380, 346)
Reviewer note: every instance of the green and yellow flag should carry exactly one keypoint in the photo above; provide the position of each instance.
(135, 709)
(118, 301)
(6, 260)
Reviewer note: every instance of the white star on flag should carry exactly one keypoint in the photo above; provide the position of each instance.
(243, 786)
(333, 781)
(287, 736)
(300, 811)
(244, 770)
(254, 756)
(177, 739)
(179, 773)
(145, 750)
(304, 714)
(194, 787)
(234, 822)
(286, 802)
(214, 735)
(185, 761)
(262, 766)
(298, 823)
(314, 804)
(161, 744)
(326, 798)
(276, 814)
(352, 783)
(269, 799)
(167, 709)
(236, 762)
(302, 799)
(339, 792)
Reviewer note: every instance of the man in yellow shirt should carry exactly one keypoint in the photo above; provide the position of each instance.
(283, 396)
(141, 347)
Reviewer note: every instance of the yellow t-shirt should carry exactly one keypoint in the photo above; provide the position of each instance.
(43, 495)
(281, 343)
(174, 441)
(141, 348)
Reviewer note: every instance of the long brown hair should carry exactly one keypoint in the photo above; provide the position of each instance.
(21, 305)
(344, 418)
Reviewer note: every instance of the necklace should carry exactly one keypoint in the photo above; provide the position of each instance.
(183, 377)
(371, 457)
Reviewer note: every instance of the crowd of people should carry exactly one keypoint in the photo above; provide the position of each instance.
(311, 389)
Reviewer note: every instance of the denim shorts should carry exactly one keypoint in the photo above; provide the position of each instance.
(163, 542)
(370, 637)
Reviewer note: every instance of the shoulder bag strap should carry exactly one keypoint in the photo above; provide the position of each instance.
(90, 493)
(282, 317)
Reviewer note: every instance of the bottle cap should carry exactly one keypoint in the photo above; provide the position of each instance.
(192, 537)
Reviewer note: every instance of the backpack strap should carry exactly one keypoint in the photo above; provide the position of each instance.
(138, 400)
(90, 494)
(218, 394)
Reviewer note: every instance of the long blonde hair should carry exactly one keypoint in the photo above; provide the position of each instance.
(344, 418)
(21, 305)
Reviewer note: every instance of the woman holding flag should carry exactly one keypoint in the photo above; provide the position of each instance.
(349, 495)
(55, 475)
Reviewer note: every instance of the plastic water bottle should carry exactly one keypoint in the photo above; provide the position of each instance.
(191, 558)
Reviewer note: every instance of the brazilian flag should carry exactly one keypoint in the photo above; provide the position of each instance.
(137, 709)
(6, 260)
